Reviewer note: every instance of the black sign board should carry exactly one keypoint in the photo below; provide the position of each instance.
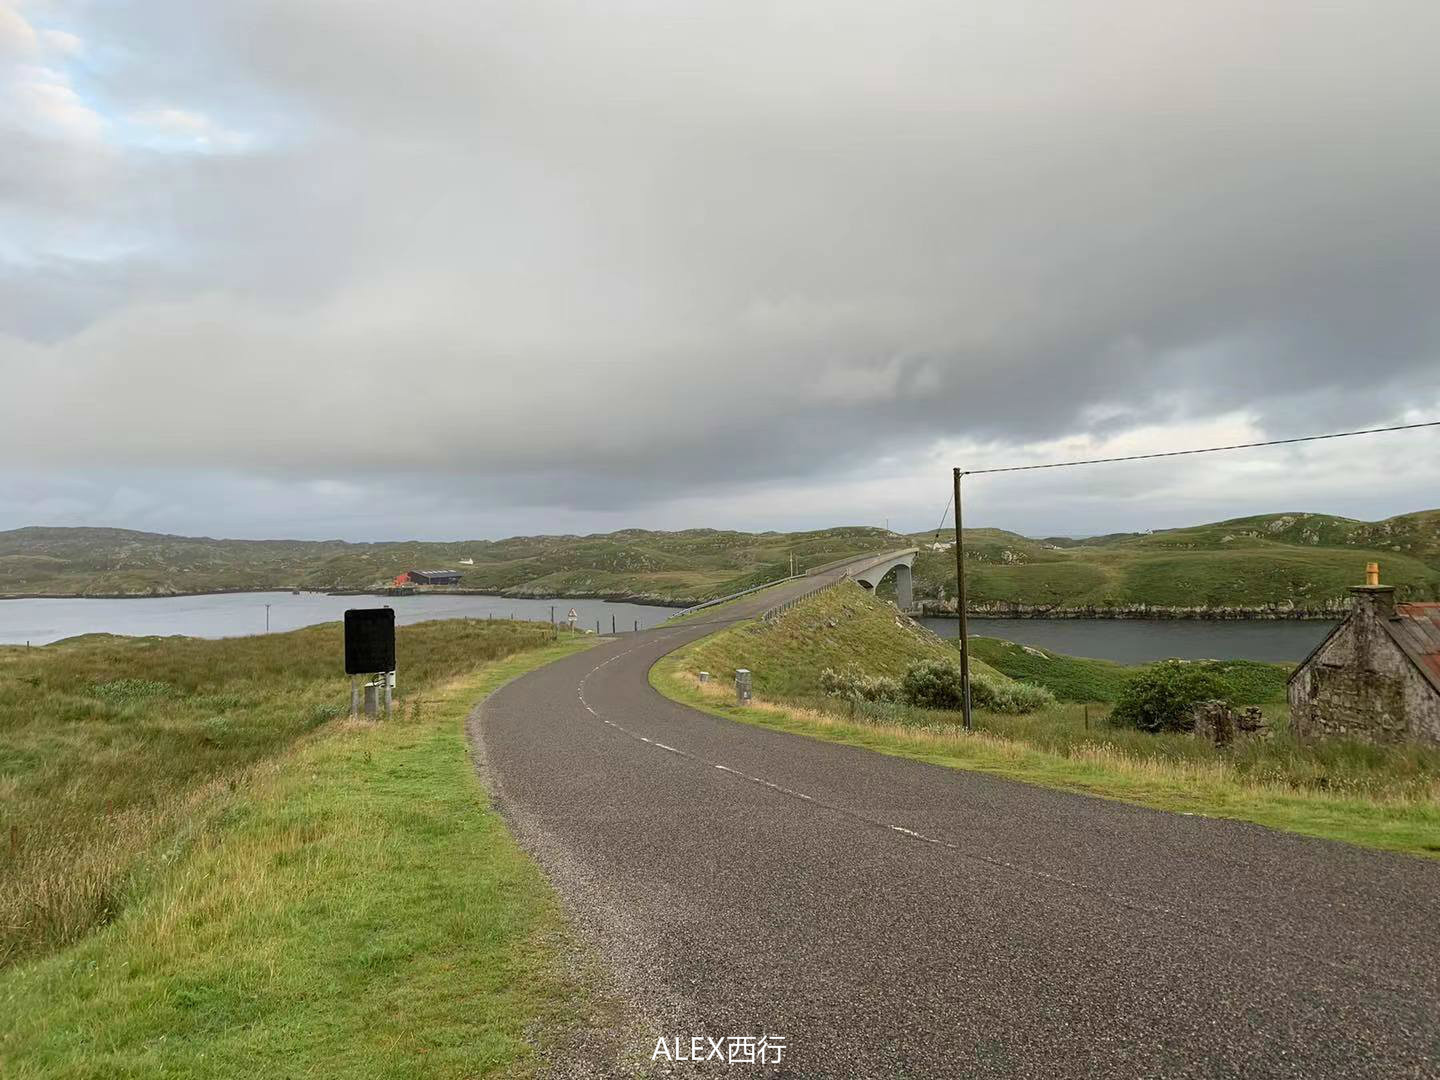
(369, 640)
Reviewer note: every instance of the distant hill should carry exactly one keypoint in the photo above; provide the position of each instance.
(1271, 561)
(664, 567)
(1297, 559)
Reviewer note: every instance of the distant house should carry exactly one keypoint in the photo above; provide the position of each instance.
(434, 577)
(1376, 676)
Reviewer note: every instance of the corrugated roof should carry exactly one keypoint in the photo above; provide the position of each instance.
(1416, 629)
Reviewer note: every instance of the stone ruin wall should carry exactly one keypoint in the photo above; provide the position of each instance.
(1361, 685)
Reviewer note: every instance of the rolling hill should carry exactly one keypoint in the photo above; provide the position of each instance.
(1273, 563)
(1268, 562)
(676, 567)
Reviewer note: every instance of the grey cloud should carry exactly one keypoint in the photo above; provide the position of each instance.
(596, 258)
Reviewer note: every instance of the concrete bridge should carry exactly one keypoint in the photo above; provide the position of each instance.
(871, 572)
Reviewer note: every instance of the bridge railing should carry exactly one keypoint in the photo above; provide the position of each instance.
(732, 596)
(862, 563)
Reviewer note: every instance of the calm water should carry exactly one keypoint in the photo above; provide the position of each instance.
(1133, 641)
(238, 614)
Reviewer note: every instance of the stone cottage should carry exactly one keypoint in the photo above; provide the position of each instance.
(1376, 676)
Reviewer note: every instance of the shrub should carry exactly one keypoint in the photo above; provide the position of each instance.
(934, 684)
(1161, 697)
(124, 691)
(855, 685)
(1009, 697)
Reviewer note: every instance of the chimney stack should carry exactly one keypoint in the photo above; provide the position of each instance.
(1372, 599)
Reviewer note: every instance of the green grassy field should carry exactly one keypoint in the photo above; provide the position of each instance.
(285, 892)
(1384, 797)
(1305, 561)
(1078, 678)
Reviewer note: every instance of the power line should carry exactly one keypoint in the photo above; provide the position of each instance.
(1202, 450)
(960, 602)
(943, 514)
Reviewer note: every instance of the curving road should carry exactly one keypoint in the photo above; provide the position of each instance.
(893, 919)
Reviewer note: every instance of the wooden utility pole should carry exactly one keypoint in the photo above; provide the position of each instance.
(960, 606)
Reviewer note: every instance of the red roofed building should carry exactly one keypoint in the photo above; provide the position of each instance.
(1376, 676)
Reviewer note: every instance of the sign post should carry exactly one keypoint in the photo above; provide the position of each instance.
(370, 650)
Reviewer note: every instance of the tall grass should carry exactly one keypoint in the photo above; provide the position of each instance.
(355, 908)
(1335, 766)
(113, 750)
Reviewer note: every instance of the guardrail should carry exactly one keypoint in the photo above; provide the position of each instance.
(861, 562)
(732, 596)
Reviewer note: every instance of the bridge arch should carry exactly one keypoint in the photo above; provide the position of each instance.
(902, 563)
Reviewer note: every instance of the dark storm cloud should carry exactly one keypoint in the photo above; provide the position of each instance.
(587, 258)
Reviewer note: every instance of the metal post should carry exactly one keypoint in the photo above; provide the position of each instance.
(389, 677)
(637, 626)
(552, 614)
(354, 696)
(597, 627)
(267, 618)
(612, 624)
(960, 606)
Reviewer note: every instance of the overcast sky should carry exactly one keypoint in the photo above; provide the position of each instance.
(455, 268)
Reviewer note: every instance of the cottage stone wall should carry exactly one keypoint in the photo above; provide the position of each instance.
(1361, 685)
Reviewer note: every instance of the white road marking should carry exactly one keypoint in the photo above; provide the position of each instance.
(760, 780)
(1124, 901)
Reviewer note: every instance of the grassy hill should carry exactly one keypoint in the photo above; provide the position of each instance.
(1273, 561)
(674, 567)
(1276, 560)
(840, 626)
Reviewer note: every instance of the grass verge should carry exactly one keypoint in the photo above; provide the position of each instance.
(1370, 796)
(349, 907)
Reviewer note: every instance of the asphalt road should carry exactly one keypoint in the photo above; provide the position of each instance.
(892, 919)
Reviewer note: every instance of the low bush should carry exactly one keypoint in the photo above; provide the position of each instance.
(1161, 697)
(934, 684)
(1011, 697)
(854, 684)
